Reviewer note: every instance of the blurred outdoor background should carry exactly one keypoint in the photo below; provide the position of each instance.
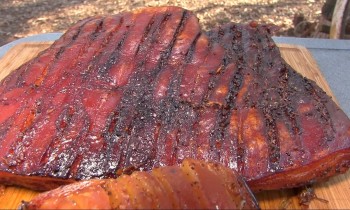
(21, 18)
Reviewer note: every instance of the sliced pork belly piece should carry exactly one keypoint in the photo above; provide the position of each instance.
(192, 185)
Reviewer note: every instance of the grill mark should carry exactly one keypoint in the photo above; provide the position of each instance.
(187, 120)
(288, 116)
(170, 106)
(83, 50)
(33, 61)
(113, 58)
(144, 36)
(294, 89)
(139, 101)
(145, 119)
(32, 109)
(210, 85)
(26, 133)
(86, 163)
(272, 138)
(119, 74)
(60, 51)
(77, 149)
(14, 156)
(15, 76)
(190, 52)
(113, 146)
(285, 83)
(136, 122)
(213, 71)
(93, 36)
(174, 89)
(173, 125)
(213, 137)
(234, 54)
(113, 137)
(235, 87)
(266, 101)
(229, 47)
(90, 72)
(98, 30)
(286, 109)
(172, 110)
(298, 87)
(216, 136)
(187, 84)
(154, 41)
(157, 70)
(176, 81)
(72, 154)
(221, 125)
(237, 79)
(62, 124)
(131, 99)
(58, 149)
(65, 161)
(65, 64)
(167, 131)
(285, 91)
(56, 138)
(164, 57)
(227, 148)
(322, 110)
(5, 127)
(107, 141)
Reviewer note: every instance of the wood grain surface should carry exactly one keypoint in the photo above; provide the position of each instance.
(333, 194)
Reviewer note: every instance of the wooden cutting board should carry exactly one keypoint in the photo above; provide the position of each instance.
(336, 191)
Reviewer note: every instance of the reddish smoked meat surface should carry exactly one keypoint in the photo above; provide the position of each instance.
(192, 185)
(148, 88)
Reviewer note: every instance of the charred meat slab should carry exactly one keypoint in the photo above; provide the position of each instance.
(148, 88)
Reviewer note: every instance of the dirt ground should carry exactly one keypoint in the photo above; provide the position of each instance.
(21, 18)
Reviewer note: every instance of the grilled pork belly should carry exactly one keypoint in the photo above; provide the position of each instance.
(193, 185)
(148, 88)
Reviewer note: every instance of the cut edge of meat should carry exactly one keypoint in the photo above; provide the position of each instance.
(322, 169)
(39, 183)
